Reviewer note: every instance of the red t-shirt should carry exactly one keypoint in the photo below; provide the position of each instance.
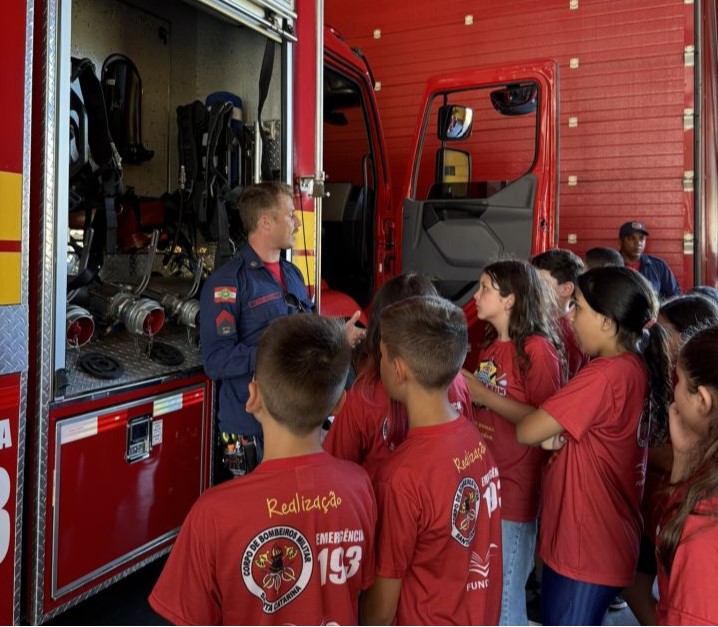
(291, 543)
(439, 530)
(364, 431)
(590, 517)
(276, 271)
(520, 465)
(575, 357)
(688, 595)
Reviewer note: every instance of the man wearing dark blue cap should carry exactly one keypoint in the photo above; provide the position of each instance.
(632, 241)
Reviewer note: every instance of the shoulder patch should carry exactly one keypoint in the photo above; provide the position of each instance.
(225, 294)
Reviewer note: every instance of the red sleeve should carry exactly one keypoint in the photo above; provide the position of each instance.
(582, 402)
(396, 540)
(691, 596)
(544, 375)
(347, 437)
(187, 592)
(459, 393)
(369, 561)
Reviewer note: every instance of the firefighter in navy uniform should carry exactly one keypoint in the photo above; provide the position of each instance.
(238, 302)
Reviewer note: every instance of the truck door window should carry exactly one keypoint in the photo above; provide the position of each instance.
(501, 146)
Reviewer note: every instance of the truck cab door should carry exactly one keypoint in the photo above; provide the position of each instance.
(484, 178)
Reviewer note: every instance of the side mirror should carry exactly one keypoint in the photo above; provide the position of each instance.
(455, 122)
(516, 99)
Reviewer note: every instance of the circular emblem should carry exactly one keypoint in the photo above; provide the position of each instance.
(276, 566)
(465, 511)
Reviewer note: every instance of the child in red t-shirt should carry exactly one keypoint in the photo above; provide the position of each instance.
(559, 268)
(678, 316)
(520, 359)
(370, 425)
(688, 538)
(439, 535)
(293, 542)
(591, 494)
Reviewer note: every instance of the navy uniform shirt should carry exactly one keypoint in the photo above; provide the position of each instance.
(659, 275)
(238, 302)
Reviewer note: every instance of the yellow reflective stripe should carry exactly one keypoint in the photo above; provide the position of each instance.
(10, 206)
(10, 237)
(10, 267)
(305, 262)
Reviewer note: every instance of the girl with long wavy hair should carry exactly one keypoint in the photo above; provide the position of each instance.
(520, 360)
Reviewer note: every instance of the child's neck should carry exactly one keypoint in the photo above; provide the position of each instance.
(279, 442)
(611, 349)
(426, 408)
(502, 328)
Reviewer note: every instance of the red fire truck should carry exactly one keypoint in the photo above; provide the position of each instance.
(106, 419)
(637, 107)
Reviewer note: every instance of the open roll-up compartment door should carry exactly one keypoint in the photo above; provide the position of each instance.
(271, 18)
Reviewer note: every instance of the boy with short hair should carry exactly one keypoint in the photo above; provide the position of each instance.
(600, 256)
(439, 534)
(293, 542)
(560, 268)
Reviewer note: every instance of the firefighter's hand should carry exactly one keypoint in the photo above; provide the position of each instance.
(352, 332)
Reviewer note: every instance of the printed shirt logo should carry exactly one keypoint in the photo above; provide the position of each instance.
(277, 566)
(465, 511)
(486, 373)
(225, 294)
(225, 323)
(482, 566)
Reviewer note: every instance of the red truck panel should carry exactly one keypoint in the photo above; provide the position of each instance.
(109, 513)
(9, 433)
(12, 103)
(629, 150)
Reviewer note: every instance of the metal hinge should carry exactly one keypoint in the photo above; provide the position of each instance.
(687, 119)
(688, 177)
(689, 56)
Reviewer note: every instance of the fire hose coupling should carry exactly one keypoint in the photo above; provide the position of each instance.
(186, 310)
(141, 316)
(79, 326)
(188, 313)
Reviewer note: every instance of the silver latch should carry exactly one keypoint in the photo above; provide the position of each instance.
(139, 444)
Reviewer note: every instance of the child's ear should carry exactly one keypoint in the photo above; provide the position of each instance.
(565, 290)
(340, 404)
(509, 302)
(607, 324)
(706, 401)
(400, 370)
(255, 404)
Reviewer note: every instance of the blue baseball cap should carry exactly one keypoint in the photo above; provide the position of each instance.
(629, 228)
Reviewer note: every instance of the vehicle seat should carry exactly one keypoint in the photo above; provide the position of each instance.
(335, 207)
